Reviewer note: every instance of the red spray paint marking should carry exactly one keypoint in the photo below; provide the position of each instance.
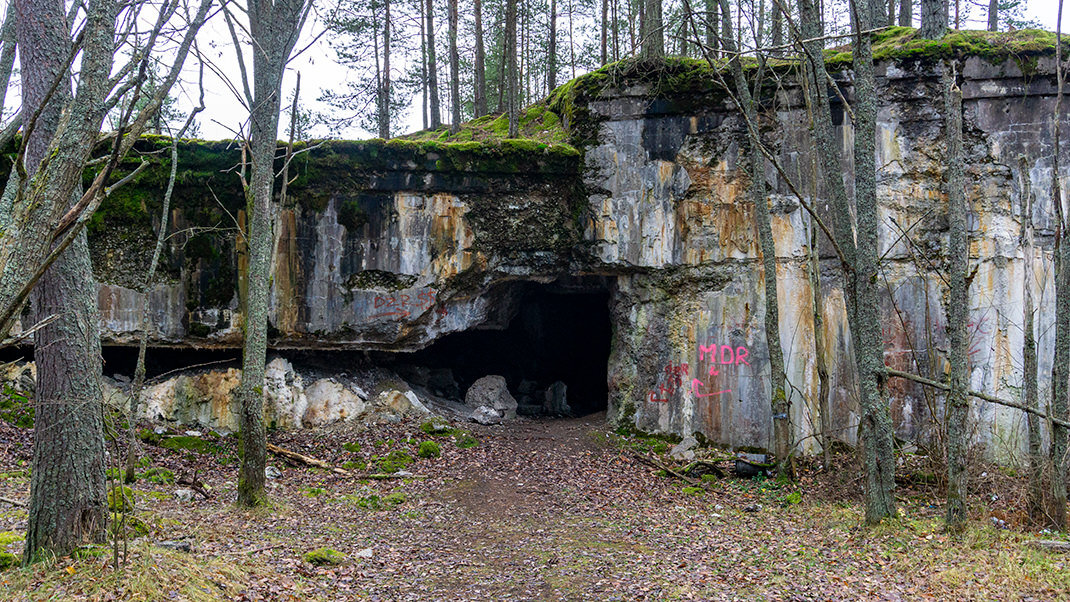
(404, 305)
(718, 355)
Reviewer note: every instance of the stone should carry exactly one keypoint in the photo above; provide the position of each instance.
(193, 433)
(365, 553)
(184, 495)
(401, 403)
(557, 400)
(486, 415)
(492, 392)
(178, 546)
(272, 473)
(328, 400)
(285, 402)
(679, 450)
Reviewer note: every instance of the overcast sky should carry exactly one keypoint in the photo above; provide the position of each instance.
(224, 113)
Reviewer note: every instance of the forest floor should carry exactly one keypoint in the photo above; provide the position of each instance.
(537, 510)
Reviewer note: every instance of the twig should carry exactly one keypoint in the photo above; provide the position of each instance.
(303, 459)
(13, 502)
(654, 463)
(977, 394)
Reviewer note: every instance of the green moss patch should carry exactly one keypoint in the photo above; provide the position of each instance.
(466, 440)
(158, 475)
(16, 408)
(188, 443)
(429, 449)
(9, 537)
(8, 560)
(324, 557)
(394, 461)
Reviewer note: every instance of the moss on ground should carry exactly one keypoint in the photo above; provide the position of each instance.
(429, 449)
(324, 557)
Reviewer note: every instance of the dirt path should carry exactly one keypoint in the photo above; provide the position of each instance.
(546, 510)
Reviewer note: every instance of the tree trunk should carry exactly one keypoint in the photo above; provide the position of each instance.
(274, 28)
(906, 13)
(779, 400)
(933, 19)
(651, 35)
(605, 32)
(571, 40)
(551, 53)
(1030, 391)
(711, 28)
(384, 90)
(510, 68)
(1061, 371)
(455, 70)
(993, 15)
(423, 65)
(778, 29)
(67, 486)
(875, 427)
(432, 69)
(958, 305)
(616, 32)
(479, 100)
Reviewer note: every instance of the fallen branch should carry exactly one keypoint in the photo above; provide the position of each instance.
(384, 476)
(306, 460)
(13, 502)
(655, 464)
(1050, 545)
(194, 483)
(982, 396)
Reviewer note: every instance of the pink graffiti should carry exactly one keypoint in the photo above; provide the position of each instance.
(674, 376)
(403, 305)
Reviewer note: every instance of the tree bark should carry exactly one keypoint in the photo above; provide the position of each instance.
(432, 68)
(510, 68)
(455, 70)
(479, 95)
(274, 27)
(906, 13)
(958, 305)
(551, 53)
(778, 396)
(384, 89)
(652, 36)
(67, 488)
(1061, 365)
(604, 33)
(933, 19)
(875, 426)
(423, 64)
(711, 28)
(1030, 391)
(993, 15)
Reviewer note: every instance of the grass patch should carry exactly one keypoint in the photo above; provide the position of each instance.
(152, 574)
(394, 461)
(465, 440)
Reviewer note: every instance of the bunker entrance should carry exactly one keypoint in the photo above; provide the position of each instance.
(553, 352)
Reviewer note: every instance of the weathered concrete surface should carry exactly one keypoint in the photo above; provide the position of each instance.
(682, 326)
(396, 258)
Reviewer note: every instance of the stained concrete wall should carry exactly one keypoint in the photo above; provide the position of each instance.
(395, 259)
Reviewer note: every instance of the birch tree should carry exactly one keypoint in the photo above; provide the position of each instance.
(273, 30)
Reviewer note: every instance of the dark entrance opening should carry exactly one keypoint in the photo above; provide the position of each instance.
(555, 334)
